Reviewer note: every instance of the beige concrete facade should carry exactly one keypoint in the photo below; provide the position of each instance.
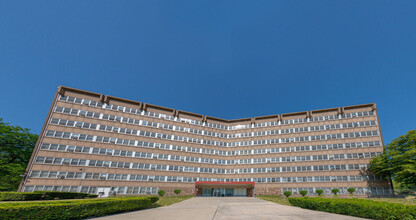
(96, 143)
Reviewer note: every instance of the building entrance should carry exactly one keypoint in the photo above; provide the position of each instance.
(222, 192)
(218, 192)
(224, 189)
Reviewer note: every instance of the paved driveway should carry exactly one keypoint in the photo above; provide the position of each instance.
(217, 208)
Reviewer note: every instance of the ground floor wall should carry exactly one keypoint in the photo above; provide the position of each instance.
(185, 190)
(262, 189)
(139, 187)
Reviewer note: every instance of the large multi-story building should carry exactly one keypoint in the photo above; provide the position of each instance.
(102, 144)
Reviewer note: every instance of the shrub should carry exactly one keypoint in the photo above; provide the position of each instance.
(42, 195)
(161, 193)
(154, 199)
(20, 196)
(50, 195)
(364, 208)
(319, 192)
(287, 193)
(91, 196)
(335, 192)
(177, 191)
(303, 193)
(73, 209)
(351, 191)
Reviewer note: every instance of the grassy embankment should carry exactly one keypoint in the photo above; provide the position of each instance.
(284, 201)
(165, 201)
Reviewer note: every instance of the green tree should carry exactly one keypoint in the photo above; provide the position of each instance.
(16, 146)
(351, 191)
(335, 192)
(287, 193)
(161, 193)
(177, 191)
(303, 193)
(319, 192)
(398, 161)
(380, 166)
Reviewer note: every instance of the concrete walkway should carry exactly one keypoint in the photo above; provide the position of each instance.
(218, 208)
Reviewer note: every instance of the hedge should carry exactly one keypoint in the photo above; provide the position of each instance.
(154, 199)
(364, 208)
(19, 196)
(42, 195)
(73, 209)
(50, 195)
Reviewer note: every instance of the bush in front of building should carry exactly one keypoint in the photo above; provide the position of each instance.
(51, 195)
(303, 193)
(73, 209)
(177, 191)
(287, 193)
(364, 208)
(42, 195)
(335, 192)
(351, 190)
(161, 193)
(20, 196)
(90, 196)
(154, 199)
(319, 192)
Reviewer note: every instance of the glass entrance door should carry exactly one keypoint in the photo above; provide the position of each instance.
(206, 192)
(218, 192)
(229, 192)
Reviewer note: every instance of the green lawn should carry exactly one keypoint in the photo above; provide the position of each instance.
(395, 200)
(169, 200)
(164, 201)
(283, 201)
(276, 199)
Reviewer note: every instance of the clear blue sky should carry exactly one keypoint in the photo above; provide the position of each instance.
(228, 59)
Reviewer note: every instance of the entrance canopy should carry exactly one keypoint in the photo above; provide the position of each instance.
(213, 188)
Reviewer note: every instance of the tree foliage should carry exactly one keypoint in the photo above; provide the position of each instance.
(398, 161)
(16, 146)
(335, 191)
(303, 193)
(161, 193)
(177, 191)
(287, 193)
(319, 192)
(380, 166)
(351, 190)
